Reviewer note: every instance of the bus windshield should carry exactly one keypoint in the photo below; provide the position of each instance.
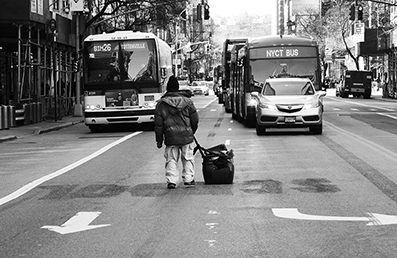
(120, 61)
(284, 68)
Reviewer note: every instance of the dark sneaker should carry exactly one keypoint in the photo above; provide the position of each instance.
(190, 183)
(171, 186)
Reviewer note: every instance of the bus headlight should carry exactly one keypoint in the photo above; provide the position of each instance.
(93, 107)
(149, 105)
(253, 102)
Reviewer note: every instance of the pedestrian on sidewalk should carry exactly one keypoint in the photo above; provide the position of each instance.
(176, 121)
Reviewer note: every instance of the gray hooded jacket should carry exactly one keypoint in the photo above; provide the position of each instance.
(175, 120)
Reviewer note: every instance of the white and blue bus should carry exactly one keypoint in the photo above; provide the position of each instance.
(125, 73)
(269, 57)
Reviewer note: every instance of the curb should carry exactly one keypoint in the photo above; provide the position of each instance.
(41, 131)
(7, 138)
(55, 128)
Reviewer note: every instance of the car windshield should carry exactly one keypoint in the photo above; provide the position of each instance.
(199, 84)
(183, 83)
(288, 88)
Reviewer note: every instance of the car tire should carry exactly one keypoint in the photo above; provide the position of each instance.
(318, 129)
(260, 130)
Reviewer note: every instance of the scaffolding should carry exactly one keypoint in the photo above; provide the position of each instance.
(26, 74)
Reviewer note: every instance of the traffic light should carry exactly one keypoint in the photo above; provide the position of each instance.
(208, 48)
(360, 13)
(352, 14)
(199, 12)
(76, 66)
(206, 12)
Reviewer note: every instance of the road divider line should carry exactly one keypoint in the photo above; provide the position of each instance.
(393, 117)
(373, 146)
(30, 186)
(364, 105)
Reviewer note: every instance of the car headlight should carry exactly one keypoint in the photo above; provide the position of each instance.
(312, 105)
(267, 106)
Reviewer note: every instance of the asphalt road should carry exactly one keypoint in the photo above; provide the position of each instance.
(294, 194)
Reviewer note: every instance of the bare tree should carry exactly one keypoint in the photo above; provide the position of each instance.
(111, 15)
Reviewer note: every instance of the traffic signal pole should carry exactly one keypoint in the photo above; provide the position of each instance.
(78, 109)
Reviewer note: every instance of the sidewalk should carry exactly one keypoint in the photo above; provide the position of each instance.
(38, 128)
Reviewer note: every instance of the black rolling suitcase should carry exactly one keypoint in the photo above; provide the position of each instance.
(218, 167)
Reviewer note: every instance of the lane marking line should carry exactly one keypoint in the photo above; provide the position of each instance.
(393, 117)
(371, 145)
(364, 105)
(30, 186)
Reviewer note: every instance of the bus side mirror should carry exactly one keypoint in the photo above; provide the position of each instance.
(163, 73)
(255, 94)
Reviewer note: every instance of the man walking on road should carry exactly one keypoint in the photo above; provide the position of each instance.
(176, 121)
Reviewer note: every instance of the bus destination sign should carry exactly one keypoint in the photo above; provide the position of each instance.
(114, 46)
(283, 52)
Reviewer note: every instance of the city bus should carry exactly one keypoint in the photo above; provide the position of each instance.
(125, 73)
(224, 91)
(269, 57)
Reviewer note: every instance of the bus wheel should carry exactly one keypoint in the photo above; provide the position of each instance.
(318, 129)
(367, 96)
(260, 130)
(250, 121)
(95, 128)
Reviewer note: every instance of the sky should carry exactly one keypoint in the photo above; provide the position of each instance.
(236, 7)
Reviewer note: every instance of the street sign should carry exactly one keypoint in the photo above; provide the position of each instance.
(77, 5)
(359, 28)
(53, 25)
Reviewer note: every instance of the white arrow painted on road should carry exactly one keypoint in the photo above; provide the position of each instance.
(374, 219)
(79, 222)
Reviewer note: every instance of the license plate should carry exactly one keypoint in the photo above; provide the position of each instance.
(149, 98)
(289, 119)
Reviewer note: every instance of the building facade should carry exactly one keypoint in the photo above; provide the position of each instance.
(37, 50)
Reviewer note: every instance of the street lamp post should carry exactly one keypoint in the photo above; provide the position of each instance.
(53, 26)
(78, 7)
(78, 108)
(176, 38)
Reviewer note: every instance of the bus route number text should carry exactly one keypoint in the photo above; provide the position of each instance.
(271, 53)
(104, 47)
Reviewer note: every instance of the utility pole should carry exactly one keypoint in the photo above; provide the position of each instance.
(78, 109)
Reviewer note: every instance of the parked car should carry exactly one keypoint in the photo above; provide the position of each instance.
(289, 103)
(200, 88)
(185, 86)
